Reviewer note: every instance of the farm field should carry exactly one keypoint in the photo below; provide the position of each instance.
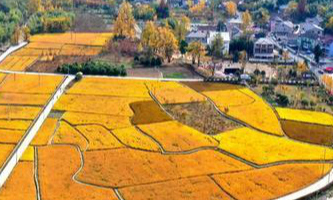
(242, 104)
(45, 47)
(110, 138)
(261, 148)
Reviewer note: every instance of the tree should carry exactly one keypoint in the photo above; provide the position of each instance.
(217, 48)
(247, 20)
(35, 6)
(317, 53)
(243, 58)
(285, 56)
(16, 36)
(149, 37)
(301, 7)
(182, 27)
(124, 25)
(231, 8)
(199, 7)
(183, 47)
(26, 32)
(162, 10)
(167, 42)
(302, 67)
(196, 49)
(262, 17)
(292, 9)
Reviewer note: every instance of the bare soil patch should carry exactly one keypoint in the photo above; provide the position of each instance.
(207, 87)
(201, 116)
(144, 72)
(306, 132)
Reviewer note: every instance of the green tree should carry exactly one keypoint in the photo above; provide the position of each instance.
(317, 53)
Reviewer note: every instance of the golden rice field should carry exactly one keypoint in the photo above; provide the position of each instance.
(261, 148)
(246, 106)
(45, 47)
(305, 116)
(109, 133)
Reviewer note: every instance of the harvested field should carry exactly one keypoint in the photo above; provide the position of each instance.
(10, 136)
(174, 136)
(202, 116)
(99, 137)
(198, 188)
(135, 139)
(110, 168)
(261, 148)
(18, 112)
(271, 182)
(305, 116)
(311, 133)
(118, 106)
(45, 132)
(146, 112)
(108, 121)
(56, 167)
(173, 92)
(111, 87)
(66, 134)
(23, 99)
(246, 106)
(20, 184)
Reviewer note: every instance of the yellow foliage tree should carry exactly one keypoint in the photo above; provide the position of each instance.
(182, 27)
(35, 6)
(124, 25)
(302, 67)
(231, 8)
(167, 42)
(199, 7)
(196, 49)
(149, 37)
(247, 20)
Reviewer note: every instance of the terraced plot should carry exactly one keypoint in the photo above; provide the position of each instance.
(174, 136)
(261, 148)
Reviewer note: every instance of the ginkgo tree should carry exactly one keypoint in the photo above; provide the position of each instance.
(196, 50)
(124, 25)
(231, 8)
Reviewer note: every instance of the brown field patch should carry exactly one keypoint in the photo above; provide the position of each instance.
(56, 166)
(271, 182)
(198, 188)
(306, 132)
(146, 112)
(127, 167)
(20, 184)
(201, 116)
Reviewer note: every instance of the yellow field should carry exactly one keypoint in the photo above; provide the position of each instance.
(305, 116)
(262, 148)
(45, 132)
(23, 99)
(135, 139)
(99, 137)
(246, 106)
(20, 184)
(68, 135)
(173, 92)
(271, 182)
(174, 136)
(118, 106)
(15, 124)
(30, 84)
(10, 136)
(197, 188)
(5, 150)
(28, 155)
(18, 112)
(108, 121)
(17, 63)
(90, 39)
(111, 87)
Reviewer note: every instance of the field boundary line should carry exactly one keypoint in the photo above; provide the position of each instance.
(24, 142)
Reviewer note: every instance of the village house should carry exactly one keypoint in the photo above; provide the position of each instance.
(264, 49)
